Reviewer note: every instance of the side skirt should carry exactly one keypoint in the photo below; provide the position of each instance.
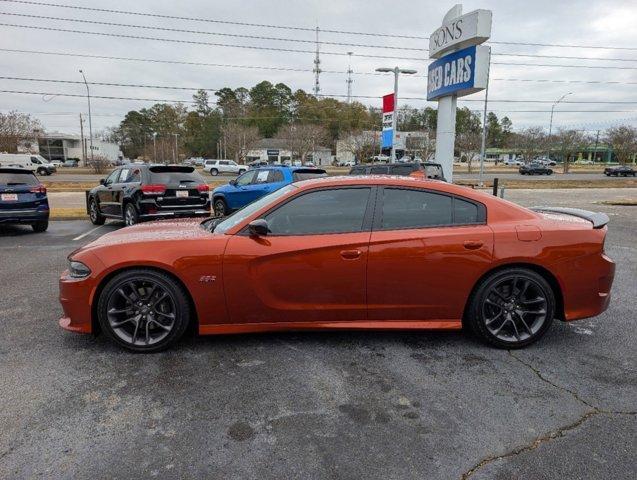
(344, 325)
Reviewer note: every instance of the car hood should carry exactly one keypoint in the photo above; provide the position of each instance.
(161, 231)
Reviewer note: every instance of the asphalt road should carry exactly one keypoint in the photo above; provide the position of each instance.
(312, 405)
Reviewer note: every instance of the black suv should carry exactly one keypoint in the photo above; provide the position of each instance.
(138, 192)
(535, 168)
(622, 170)
(414, 169)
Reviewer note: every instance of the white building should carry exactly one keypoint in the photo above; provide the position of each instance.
(61, 146)
(275, 150)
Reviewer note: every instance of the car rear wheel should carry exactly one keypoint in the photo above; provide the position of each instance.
(143, 310)
(131, 216)
(40, 227)
(242, 171)
(214, 172)
(220, 208)
(512, 308)
(94, 213)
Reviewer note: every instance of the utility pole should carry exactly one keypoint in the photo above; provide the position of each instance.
(548, 154)
(154, 147)
(394, 121)
(349, 77)
(595, 149)
(317, 66)
(483, 146)
(82, 142)
(176, 156)
(90, 121)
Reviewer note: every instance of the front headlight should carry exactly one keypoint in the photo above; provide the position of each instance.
(78, 269)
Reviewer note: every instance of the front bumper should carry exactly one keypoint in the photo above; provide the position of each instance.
(75, 298)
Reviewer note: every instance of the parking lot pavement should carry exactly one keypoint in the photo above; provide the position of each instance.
(311, 405)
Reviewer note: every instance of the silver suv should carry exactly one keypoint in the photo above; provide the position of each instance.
(216, 167)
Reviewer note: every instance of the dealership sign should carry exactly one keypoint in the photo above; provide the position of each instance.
(459, 73)
(388, 121)
(460, 32)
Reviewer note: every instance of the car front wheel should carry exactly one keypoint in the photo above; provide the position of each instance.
(214, 172)
(512, 308)
(143, 310)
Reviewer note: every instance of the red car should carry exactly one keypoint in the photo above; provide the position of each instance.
(345, 253)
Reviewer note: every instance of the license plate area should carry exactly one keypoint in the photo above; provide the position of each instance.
(181, 193)
(9, 197)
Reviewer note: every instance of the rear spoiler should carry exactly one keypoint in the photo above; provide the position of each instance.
(598, 219)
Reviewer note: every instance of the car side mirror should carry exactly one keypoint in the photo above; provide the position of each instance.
(258, 228)
(233, 183)
(102, 181)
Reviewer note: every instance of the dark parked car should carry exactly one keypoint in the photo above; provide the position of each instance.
(138, 192)
(23, 199)
(413, 169)
(535, 168)
(621, 171)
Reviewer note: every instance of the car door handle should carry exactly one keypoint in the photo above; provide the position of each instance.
(473, 244)
(351, 254)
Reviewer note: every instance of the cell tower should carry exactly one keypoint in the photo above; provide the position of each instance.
(317, 66)
(349, 77)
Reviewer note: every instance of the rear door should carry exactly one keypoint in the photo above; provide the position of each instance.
(310, 268)
(427, 250)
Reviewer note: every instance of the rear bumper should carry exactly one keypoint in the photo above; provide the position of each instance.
(24, 216)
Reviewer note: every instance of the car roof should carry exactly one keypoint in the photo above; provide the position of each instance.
(14, 170)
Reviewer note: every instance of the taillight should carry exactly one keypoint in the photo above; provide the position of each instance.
(154, 189)
(203, 188)
(38, 189)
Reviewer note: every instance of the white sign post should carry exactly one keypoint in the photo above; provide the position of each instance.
(461, 68)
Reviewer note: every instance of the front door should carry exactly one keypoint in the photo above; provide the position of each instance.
(310, 268)
(105, 194)
(426, 252)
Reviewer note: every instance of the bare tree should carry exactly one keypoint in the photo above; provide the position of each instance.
(238, 139)
(100, 164)
(302, 139)
(531, 142)
(469, 143)
(623, 139)
(424, 145)
(16, 127)
(360, 143)
(569, 143)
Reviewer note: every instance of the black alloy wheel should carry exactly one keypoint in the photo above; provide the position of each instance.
(512, 308)
(143, 310)
(94, 213)
(131, 217)
(220, 208)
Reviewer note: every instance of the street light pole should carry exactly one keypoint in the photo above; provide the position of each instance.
(548, 153)
(90, 119)
(397, 71)
(154, 147)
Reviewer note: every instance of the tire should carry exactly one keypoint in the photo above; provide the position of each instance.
(94, 213)
(241, 171)
(40, 227)
(607, 174)
(219, 207)
(125, 316)
(214, 172)
(131, 215)
(490, 302)
(550, 172)
(41, 171)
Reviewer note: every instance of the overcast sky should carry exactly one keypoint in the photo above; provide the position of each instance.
(608, 23)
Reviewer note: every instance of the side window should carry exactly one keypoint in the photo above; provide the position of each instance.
(123, 176)
(112, 178)
(246, 178)
(325, 211)
(262, 176)
(414, 209)
(35, 160)
(357, 171)
(465, 212)
(275, 176)
(379, 170)
(402, 170)
(134, 176)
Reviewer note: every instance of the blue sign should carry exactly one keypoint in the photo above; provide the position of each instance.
(386, 139)
(459, 73)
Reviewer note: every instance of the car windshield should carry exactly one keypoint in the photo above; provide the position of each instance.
(240, 215)
(15, 178)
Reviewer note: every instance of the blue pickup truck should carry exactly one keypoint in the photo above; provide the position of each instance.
(256, 183)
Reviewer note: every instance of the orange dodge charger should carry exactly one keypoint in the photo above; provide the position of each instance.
(345, 253)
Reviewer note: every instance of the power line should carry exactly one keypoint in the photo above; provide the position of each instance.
(373, 97)
(297, 28)
(259, 37)
(105, 97)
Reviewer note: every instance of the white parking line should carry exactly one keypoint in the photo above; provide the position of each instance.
(80, 237)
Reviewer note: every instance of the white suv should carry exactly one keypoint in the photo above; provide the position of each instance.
(215, 167)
